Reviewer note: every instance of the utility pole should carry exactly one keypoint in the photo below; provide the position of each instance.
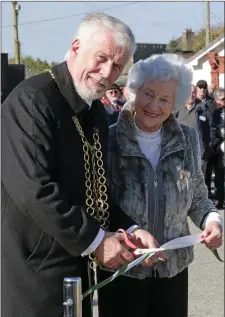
(16, 9)
(207, 25)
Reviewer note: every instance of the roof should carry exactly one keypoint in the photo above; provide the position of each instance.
(206, 49)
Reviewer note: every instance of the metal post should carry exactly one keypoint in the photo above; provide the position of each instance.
(72, 297)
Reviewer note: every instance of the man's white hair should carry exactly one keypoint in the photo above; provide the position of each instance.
(94, 21)
(162, 67)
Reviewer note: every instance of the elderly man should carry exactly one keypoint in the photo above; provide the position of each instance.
(55, 211)
(113, 102)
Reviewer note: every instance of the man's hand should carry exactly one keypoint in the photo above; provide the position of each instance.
(144, 240)
(213, 235)
(111, 252)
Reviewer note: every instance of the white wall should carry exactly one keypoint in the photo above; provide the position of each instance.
(202, 71)
(221, 53)
(221, 80)
(221, 76)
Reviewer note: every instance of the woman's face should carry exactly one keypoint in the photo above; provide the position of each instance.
(154, 103)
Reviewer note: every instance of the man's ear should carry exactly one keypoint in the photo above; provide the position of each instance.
(76, 46)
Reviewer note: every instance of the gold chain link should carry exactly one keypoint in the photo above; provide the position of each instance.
(96, 190)
(95, 183)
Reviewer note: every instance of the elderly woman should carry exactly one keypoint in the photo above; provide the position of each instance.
(156, 178)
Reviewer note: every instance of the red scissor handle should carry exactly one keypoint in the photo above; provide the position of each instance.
(129, 243)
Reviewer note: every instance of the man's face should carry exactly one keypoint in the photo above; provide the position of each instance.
(113, 95)
(96, 65)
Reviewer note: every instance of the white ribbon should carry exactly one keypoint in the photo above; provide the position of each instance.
(178, 243)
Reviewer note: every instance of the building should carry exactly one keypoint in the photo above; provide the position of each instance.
(145, 50)
(208, 63)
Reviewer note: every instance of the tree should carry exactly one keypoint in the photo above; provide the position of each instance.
(199, 40)
(174, 46)
(33, 66)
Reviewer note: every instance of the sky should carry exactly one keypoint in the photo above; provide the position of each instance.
(151, 22)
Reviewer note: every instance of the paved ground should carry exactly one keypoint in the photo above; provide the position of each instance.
(206, 283)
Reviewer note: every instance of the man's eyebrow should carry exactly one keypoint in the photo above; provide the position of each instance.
(100, 52)
(149, 89)
(167, 96)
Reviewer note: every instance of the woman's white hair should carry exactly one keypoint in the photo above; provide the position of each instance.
(162, 67)
(94, 21)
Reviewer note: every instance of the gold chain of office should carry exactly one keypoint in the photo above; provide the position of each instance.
(96, 202)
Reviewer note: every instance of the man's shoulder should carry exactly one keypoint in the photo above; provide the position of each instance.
(31, 89)
(35, 83)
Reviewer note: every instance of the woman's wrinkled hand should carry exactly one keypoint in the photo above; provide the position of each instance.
(212, 235)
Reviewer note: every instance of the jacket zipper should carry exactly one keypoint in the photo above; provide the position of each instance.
(155, 184)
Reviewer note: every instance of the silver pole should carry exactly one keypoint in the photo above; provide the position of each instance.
(72, 297)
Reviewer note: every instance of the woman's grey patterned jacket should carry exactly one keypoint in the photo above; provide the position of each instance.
(160, 202)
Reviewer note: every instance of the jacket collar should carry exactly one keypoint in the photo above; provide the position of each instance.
(65, 84)
(173, 138)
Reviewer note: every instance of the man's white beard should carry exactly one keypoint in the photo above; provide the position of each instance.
(88, 94)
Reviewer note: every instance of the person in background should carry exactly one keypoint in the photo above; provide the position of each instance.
(155, 176)
(185, 112)
(211, 89)
(192, 99)
(205, 107)
(113, 102)
(114, 95)
(199, 116)
(216, 161)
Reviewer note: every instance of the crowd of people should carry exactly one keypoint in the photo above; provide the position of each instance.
(205, 112)
(69, 181)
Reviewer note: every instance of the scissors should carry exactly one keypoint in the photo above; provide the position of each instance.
(132, 247)
(128, 243)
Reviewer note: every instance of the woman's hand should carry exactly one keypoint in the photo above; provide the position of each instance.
(213, 235)
(144, 240)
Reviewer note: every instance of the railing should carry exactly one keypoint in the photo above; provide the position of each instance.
(72, 297)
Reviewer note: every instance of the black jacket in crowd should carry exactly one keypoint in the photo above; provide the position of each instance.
(217, 129)
(199, 116)
(45, 228)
